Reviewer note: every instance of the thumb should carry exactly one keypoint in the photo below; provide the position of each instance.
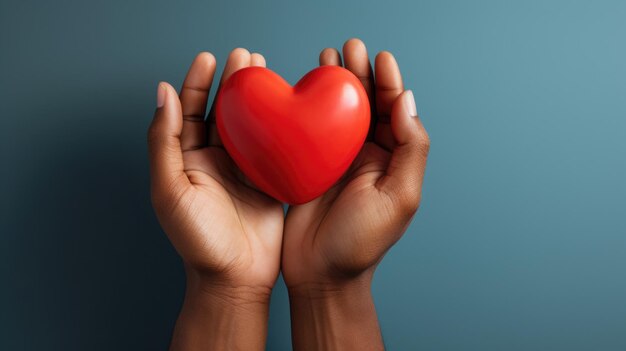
(166, 157)
(405, 173)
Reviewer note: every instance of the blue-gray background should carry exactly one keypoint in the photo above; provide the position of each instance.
(520, 243)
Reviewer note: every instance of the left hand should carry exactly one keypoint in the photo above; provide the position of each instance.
(345, 232)
(331, 245)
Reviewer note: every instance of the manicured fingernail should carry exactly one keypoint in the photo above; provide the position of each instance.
(161, 95)
(409, 103)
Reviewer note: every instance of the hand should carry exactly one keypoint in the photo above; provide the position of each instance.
(333, 243)
(227, 233)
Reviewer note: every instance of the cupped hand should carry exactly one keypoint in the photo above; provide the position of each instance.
(225, 230)
(344, 233)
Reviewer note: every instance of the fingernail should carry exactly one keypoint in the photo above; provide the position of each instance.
(409, 103)
(161, 95)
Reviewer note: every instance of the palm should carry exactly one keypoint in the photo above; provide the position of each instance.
(234, 227)
(347, 208)
(338, 230)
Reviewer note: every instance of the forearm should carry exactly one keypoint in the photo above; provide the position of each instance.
(217, 317)
(334, 317)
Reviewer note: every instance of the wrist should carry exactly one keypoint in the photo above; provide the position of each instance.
(330, 289)
(222, 287)
(226, 293)
(219, 315)
(334, 316)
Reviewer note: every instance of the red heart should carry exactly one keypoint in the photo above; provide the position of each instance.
(295, 142)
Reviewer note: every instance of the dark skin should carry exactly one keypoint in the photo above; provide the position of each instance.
(228, 234)
(234, 240)
(332, 244)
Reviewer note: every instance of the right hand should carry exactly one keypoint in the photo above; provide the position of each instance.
(227, 232)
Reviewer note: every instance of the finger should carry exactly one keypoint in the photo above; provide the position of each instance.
(388, 87)
(166, 157)
(239, 58)
(405, 173)
(330, 56)
(193, 99)
(356, 60)
(257, 60)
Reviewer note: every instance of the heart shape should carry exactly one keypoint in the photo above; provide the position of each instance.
(293, 143)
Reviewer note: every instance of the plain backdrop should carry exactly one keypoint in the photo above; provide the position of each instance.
(520, 243)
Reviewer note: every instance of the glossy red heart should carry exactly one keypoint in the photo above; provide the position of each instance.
(295, 142)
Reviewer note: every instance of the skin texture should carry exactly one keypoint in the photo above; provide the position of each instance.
(233, 239)
(227, 233)
(332, 245)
